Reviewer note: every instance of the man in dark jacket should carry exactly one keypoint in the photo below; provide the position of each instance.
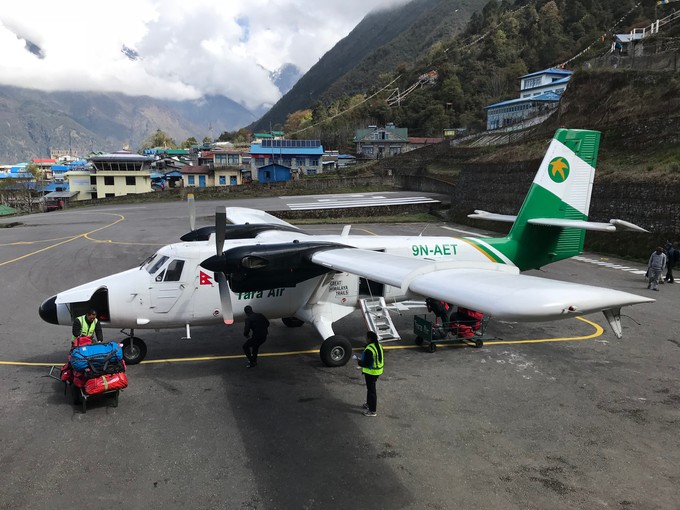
(259, 325)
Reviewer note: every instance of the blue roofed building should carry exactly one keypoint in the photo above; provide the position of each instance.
(301, 157)
(540, 93)
(273, 173)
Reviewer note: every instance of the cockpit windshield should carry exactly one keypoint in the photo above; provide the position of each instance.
(155, 263)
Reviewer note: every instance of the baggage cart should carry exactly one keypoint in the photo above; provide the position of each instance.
(467, 332)
(78, 393)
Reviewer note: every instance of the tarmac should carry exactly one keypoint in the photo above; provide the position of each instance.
(558, 415)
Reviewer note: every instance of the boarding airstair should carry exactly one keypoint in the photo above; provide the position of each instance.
(378, 318)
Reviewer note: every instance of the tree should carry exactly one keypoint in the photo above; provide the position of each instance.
(159, 139)
(186, 144)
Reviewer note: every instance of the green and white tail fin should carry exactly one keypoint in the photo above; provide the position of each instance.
(552, 221)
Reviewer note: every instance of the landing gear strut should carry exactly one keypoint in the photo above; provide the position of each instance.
(134, 349)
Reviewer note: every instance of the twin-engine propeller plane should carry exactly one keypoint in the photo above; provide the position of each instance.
(282, 272)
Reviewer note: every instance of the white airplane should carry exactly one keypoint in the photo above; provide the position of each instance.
(285, 273)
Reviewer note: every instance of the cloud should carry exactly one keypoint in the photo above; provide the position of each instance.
(185, 49)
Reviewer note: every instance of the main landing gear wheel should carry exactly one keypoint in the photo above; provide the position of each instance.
(292, 322)
(335, 351)
(134, 350)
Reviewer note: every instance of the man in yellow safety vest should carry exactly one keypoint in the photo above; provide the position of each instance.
(372, 362)
(87, 325)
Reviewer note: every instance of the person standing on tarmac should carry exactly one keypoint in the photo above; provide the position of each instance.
(372, 362)
(655, 267)
(87, 325)
(259, 325)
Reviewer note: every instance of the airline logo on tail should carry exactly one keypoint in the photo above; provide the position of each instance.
(558, 169)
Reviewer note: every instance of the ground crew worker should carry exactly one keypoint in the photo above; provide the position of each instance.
(87, 325)
(259, 325)
(372, 362)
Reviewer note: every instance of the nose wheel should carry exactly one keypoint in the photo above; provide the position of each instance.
(134, 349)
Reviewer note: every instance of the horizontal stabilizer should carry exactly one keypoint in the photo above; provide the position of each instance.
(612, 226)
(483, 215)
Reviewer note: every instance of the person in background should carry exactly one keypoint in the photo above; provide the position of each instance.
(655, 267)
(87, 325)
(372, 362)
(259, 325)
(672, 258)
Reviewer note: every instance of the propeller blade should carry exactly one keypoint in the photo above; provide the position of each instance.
(225, 298)
(191, 203)
(220, 222)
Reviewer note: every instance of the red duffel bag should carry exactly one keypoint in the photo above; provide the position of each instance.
(107, 382)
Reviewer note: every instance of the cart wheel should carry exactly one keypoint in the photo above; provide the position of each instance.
(115, 398)
(433, 347)
(479, 343)
(419, 340)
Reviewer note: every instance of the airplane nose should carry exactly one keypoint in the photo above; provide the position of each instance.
(48, 310)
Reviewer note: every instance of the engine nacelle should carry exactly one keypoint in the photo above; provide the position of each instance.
(267, 266)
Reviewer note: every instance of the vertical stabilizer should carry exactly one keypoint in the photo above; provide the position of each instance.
(561, 189)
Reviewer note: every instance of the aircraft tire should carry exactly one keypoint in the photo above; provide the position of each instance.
(292, 322)
(335, 351)
(134, 353)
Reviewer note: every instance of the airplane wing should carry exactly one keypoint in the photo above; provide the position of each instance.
(243, 215)
(497, 290)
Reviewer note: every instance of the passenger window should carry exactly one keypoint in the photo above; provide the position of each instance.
(174, 271)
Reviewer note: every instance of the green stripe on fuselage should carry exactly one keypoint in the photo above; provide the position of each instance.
(484, 249)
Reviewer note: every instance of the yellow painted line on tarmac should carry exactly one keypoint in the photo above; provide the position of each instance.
(68, 240)
(598, 332)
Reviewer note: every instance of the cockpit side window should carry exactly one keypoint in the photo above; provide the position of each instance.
(155, 264)
(174, 271)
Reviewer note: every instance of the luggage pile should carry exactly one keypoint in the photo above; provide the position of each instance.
(94, 369)
(465, 323)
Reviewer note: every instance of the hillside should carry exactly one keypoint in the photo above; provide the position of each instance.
(379, 44)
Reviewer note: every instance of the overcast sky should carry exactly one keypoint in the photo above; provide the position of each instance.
(186, 48)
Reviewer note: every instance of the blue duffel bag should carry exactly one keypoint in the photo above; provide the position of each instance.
(96, 356)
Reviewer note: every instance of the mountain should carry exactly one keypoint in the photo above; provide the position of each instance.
(33, 122)
(285, 77)
(378, 44)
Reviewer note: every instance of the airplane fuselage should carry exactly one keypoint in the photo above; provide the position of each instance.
(171, 289)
